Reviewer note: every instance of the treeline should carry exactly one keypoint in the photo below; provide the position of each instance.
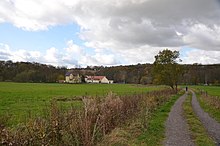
(137, 74)
(201, 74)
(142, 74)
(30, 72)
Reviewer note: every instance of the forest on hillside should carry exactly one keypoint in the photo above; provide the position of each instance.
(142, 74)
(30, 72)
(137, 74)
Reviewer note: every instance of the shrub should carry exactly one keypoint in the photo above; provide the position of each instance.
(85, 126)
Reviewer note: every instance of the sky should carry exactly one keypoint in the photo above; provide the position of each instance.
(80, 33)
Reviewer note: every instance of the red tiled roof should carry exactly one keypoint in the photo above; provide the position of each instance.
(95, 77)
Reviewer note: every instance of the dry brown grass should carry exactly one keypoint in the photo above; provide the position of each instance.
(97, 118)
(210, 104)
(213, 101)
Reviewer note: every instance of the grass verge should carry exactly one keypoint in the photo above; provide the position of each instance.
(140, 131)
(155, 132)
(208, 105)
(198, 132)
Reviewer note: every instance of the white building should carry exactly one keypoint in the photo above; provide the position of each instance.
(70, 78)
(97, 79)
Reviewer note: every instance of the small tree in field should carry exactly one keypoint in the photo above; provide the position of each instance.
(166, 69)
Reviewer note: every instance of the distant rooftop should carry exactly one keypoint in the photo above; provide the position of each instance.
(95, 77)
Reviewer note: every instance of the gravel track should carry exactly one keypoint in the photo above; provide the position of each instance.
(211, 125)
(177, 133)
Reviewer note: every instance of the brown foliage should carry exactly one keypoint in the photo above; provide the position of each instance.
(85, 126)
(213, 101)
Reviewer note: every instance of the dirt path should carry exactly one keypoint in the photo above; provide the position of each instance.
(212, 126)
(177, 133)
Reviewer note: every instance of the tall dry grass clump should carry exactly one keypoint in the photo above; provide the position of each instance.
(85, 126)
(213, 101)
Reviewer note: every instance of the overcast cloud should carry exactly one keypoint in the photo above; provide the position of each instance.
(129, 30)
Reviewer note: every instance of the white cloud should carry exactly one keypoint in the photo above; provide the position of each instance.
(71, 56)
(125, 31)
(76, 55)
(203, 57)
(24, 55)
(6, 53)
(34, 15)
(154, 22)
(1, 20)
(52, 56)
(203, 37)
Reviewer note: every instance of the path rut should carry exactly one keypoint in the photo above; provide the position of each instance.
(177, 133)
(211, 125)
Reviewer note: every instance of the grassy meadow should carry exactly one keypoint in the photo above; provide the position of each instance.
(96, 119)
(211, 90)
(23, 100)
(209, 99)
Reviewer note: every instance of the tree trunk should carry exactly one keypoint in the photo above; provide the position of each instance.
(171, 87)
(176, 88)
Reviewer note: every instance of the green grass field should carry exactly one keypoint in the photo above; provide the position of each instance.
(22, 100)
(210, 104)
(212, 90)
